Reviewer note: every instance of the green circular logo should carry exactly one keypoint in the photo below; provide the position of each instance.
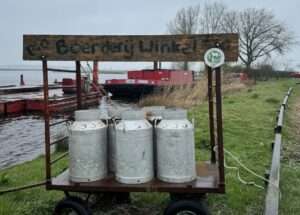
(214, 57)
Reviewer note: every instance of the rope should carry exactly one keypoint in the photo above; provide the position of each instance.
(248, 170)
(240, 178)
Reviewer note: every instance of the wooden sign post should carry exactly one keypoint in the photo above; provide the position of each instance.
(128, 48)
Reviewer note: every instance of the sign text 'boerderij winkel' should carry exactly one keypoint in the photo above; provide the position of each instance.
(127, 48)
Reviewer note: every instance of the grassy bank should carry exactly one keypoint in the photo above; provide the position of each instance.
(249, 119)
(34, 201)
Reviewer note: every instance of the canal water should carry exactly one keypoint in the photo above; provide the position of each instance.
(22, 138)
(36, 77)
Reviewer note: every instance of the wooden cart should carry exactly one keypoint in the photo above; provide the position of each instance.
(185, 197)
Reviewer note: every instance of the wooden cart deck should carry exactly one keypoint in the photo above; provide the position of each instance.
(206, 182)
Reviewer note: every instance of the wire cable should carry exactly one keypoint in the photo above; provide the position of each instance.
(252, 183)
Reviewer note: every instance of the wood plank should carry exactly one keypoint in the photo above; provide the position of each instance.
(128, 48)
(207, 181)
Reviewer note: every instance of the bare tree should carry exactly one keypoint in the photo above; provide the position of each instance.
(211, 19)
(260, 34)
(186, 21)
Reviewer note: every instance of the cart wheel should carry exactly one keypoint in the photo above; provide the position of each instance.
(123, 198)
(185, 196)
(72, 205)
(186, 207)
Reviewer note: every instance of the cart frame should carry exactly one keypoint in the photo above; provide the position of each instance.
(211, 176)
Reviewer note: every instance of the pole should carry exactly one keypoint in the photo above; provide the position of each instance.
(95, 73)
(22, 82)
(211, 113)
(155, 65)
(220, 127)
(78, 85)
(47, 122)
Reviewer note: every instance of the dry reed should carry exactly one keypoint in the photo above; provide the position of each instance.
(187, 96)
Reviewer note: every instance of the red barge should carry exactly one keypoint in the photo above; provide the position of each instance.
(141, 82)
(57, 104)
(18, 100)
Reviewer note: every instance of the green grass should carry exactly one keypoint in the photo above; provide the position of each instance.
(30, 202)
(249, 119)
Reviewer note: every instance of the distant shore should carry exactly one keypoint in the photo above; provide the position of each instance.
(64, 70)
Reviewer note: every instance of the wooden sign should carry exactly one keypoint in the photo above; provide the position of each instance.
(128, 48)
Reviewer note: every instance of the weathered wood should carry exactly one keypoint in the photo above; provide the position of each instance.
(273, 192)
(128, 48)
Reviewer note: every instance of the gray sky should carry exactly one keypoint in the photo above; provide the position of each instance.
(18, 17)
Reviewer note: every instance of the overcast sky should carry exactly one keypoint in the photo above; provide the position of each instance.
(18, 17)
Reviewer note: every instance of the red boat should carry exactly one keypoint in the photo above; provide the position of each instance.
(141, 82)
(58, 104)
(294, 74)
(18, 100)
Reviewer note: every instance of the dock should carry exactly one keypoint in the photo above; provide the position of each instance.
(10, 89)
(33, 103)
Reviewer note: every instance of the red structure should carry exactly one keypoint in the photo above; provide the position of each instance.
(95, 73)
(56, 105)
(243, 76)
(142, 82)
(69, 84)
(295, 74)
(161, 77)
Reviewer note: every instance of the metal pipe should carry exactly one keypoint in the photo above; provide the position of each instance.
(285, 101)
(15, 189)
(47, 121)
(59, 157)
(289, 91)
(280, 117)
(78, 85)
(60, 70)
(59, 140)
(59, 122)
(220, 127)
(211, 113)
(273, 193)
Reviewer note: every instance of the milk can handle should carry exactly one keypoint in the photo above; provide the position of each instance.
(68, 125)
(155, 123)
(114, 122)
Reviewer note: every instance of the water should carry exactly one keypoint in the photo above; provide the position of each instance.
(22, 138)
(36, 77)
